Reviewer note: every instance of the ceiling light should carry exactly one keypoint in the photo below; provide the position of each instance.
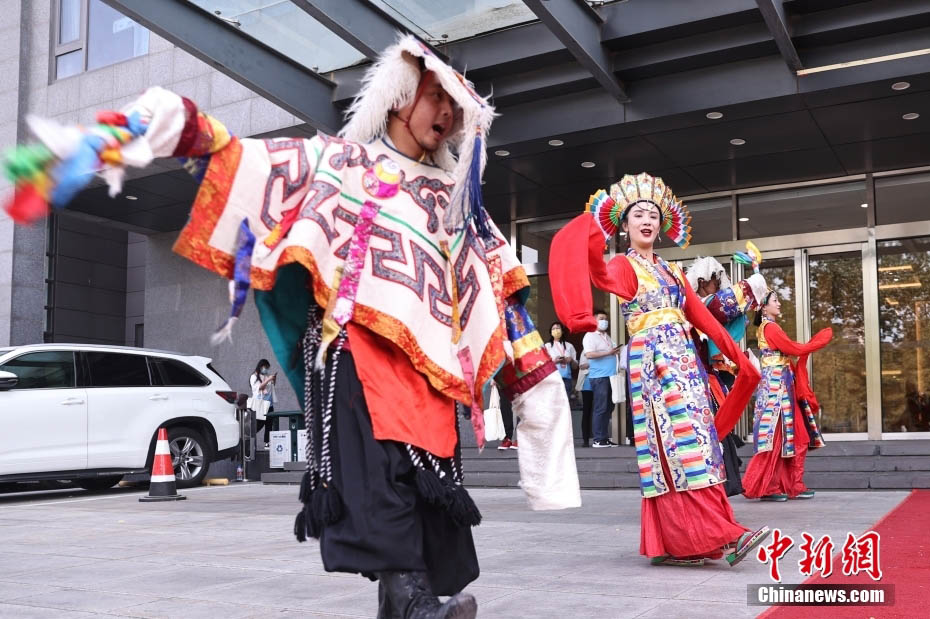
(900, 85)
(900, 267)
(132, 198)
(714, 115)
(502, 153)
(587, 164)
(911, 116)
(744, 219)
(864, 205)
(737, 141)
(904, 285)
(556, 142)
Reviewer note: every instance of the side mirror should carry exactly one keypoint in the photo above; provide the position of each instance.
(8, 380)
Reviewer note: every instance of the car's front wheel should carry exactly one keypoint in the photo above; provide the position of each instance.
(190, 456)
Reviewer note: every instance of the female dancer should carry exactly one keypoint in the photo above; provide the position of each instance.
(784, 426)
(686, 517)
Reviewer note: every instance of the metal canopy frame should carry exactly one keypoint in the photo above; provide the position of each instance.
(359, 23)
(773, 12)
(267, 72)
(578, 27)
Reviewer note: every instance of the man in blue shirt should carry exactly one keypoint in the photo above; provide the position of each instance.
(601, 353)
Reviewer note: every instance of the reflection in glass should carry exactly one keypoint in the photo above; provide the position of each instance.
(902, 198)
(69, 21)
(288, 29)
(69, 64)
(711, 220)
(838, 376)
(803, 209)
(444, 21)
(904, 333)
(534, 239)
(112, 37)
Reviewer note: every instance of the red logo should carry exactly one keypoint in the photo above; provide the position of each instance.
(817, 557)
(861, 555)
(775, 551)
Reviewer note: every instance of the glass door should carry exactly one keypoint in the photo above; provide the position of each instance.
(838, 377)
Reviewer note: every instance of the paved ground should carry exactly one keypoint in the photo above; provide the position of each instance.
(229, 553)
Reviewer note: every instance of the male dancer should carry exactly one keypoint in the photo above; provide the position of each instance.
(728, 304)
(387, 293)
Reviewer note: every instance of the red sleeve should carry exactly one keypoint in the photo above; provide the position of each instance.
(777, 338)
(746, 378)
(576, 260)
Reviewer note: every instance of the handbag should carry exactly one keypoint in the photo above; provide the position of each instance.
(493, 419)
(259, 406)
(579, 384)
(618, 385)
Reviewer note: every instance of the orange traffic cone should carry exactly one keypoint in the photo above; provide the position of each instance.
(163, 486)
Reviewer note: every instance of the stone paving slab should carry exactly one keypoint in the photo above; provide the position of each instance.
(228, 553)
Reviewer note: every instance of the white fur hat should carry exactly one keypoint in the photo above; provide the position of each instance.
(391, 83)
(705, 268)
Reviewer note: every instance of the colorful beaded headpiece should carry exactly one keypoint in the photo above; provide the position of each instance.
(611, 209)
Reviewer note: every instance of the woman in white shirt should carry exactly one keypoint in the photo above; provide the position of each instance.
(263, 382)
(562, 354)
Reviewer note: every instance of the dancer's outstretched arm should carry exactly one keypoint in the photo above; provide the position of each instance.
(777, 338)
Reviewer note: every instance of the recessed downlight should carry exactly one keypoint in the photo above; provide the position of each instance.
(714, 115)
(900, 85)
(587, 164)
(864, 205)
(502, 153)
(132, 197)
(737, 141)
(744, 219)
(556, 143)
(911, 116)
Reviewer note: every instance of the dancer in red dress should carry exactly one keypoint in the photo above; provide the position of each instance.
(784, 425)
(686, 517)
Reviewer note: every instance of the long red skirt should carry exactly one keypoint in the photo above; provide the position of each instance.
(693, 523)
(769, 473)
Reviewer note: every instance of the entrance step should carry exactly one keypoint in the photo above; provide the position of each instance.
(849, 465)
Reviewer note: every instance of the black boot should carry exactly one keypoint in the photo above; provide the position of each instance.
(385, 611)
(409, 596)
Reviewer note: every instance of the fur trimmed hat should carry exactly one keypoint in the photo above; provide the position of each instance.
(391, 83)
(705, 268)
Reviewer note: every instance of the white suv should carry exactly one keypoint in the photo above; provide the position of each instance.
(91, 413)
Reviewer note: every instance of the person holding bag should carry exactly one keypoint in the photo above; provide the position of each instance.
(562, 354)
(263, 397)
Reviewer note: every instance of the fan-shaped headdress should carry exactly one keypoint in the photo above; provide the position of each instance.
(610, 209)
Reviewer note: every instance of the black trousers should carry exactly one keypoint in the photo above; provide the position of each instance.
(587, 406)
(267, 424)
(507, 416)
(730, 443)
(386, 526)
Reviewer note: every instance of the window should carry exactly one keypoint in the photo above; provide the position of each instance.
(117, 370)
(802, 209)
(904, 333)
(43, 370)
(90, 35)
(173, 373)
(711, 220)
(900, 199)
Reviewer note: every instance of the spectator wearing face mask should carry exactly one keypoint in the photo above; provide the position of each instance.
(262, 382)
(562, 354)
(601, 353)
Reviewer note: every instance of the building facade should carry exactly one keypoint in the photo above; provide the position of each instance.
(800, 125)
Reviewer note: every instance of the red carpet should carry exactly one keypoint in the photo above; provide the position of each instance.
(905, 562)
